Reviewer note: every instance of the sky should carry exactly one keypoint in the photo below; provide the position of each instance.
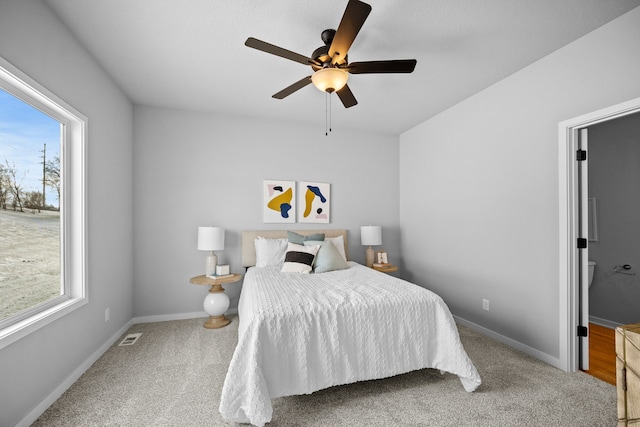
(23, 132)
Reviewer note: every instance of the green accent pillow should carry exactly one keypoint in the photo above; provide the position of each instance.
(299, 239)
(328, 258)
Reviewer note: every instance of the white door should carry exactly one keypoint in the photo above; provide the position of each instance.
(583, 254)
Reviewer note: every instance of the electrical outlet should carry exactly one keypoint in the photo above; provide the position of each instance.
(485, 304)
(106, 314)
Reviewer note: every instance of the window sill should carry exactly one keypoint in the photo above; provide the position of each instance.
(21, 329)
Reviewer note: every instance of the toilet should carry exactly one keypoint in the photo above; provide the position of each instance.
(592, 267)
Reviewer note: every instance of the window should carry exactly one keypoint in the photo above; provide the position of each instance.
(42, 206)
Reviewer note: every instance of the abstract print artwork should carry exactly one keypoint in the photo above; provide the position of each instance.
(315, 202)
(279, 201)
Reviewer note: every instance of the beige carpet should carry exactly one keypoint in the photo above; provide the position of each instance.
(173, 377)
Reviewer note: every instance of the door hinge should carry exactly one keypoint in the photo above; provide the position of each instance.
(582, 331)
(581, 155)
(624, 379)
(582, 243)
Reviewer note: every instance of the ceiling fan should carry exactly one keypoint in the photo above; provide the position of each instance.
(330, 62)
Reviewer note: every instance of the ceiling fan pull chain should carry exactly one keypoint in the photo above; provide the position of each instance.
(329, 94)
(326, 113)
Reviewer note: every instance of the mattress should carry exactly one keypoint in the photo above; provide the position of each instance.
(299, 333)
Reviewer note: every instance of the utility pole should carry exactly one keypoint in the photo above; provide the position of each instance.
(44, 174)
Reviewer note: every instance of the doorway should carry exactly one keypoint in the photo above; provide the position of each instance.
(573, 209)
(614, 295)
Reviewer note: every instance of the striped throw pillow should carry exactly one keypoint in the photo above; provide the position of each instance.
(299, 258)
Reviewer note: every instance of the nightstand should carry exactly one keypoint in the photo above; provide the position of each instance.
(216, 302)
(385, 268)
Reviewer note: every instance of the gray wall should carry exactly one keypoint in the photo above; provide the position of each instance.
(33, 40)
(195, 169)
(479, 191)
(614, 180)
(477, 200)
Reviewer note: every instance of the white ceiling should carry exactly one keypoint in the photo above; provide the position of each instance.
(190, 54)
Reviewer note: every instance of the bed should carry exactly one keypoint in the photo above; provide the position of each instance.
(299, 333)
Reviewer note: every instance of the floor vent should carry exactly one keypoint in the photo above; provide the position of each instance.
(130, 339)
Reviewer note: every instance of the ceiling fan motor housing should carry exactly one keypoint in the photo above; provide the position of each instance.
(321, 54)
(327, 36)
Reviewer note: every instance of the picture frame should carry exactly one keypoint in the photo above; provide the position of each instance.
(278, 201)
(315, 202)
(593, 219)
(382, 258)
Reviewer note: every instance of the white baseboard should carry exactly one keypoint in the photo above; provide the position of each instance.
(547, 358)
(178, 316)
(68, 382)
(169, 317)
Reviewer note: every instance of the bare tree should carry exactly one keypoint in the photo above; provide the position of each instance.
(33, 200)
(4, 187)
(52, 174)
(15, 188)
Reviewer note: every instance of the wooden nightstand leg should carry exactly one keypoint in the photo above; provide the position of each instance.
(216, 302)
(215, 305)
(215, 322)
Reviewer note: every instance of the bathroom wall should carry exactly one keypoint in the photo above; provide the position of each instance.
(614, 180)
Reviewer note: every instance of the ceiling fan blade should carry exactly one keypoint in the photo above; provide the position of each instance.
(294, 87)
(346, 96)
(392, 66)
(354, 16)
(278, 51)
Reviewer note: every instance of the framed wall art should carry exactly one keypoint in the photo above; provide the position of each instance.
(278, 201)
(315, 202)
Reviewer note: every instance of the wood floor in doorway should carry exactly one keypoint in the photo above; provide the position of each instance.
(602, 353)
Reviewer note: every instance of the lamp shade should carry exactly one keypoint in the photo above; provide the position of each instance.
(371, 235)
(330, 79)
(210, 238)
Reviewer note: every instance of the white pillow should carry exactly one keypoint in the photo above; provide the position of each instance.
(299, 258)
(339, 243)
(270, 251)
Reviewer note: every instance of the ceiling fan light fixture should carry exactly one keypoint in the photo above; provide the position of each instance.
(330, 79)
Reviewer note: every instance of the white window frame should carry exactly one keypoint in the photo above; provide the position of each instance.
(72, 205)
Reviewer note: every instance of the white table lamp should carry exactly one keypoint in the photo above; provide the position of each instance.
(370, 235)
(211, 239)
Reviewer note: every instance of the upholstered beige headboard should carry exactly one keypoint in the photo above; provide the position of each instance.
(248, 237)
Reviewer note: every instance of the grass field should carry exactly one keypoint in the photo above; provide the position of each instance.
(29, 259)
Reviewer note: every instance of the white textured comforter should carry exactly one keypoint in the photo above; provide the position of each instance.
(299, 333)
